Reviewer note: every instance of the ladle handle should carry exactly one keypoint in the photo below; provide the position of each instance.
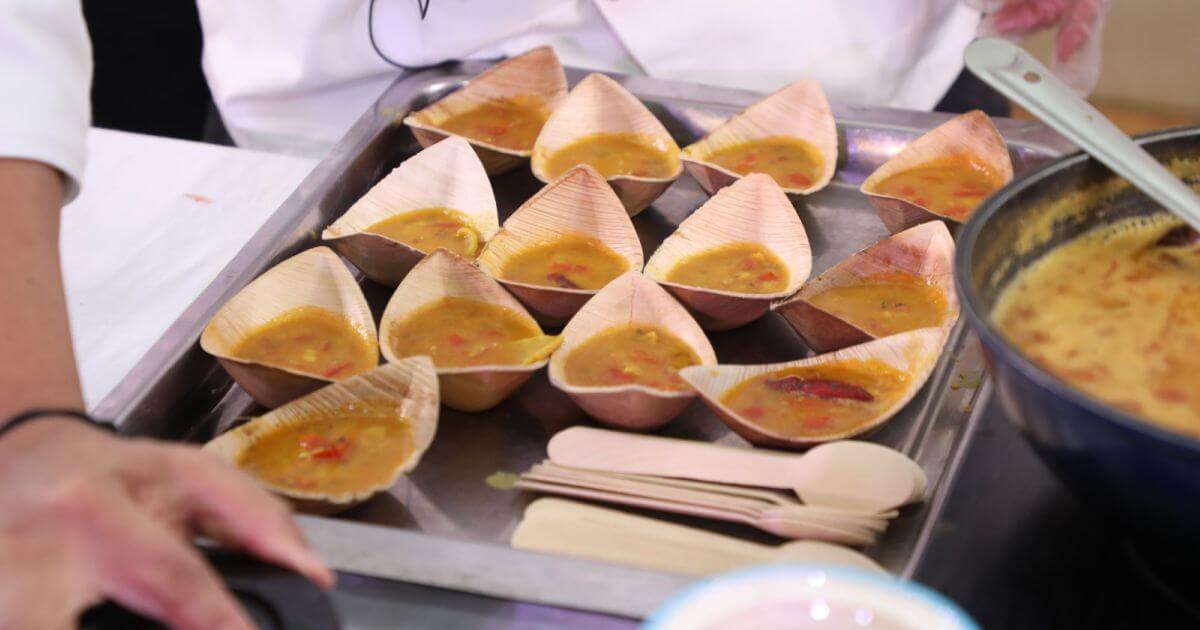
(1017, 75)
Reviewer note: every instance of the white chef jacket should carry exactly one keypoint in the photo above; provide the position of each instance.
(294, 75)
(45, 75)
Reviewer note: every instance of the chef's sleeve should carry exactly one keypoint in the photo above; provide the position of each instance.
(45, 76)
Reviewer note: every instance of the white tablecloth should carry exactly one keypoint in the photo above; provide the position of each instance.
(157, 219)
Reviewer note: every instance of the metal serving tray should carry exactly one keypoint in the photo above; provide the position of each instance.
(444, 525)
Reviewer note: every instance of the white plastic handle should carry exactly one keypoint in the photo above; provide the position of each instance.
(1017, 75)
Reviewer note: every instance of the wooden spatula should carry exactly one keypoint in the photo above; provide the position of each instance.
(571, 528)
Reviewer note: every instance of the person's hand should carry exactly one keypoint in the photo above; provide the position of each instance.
(85, 516)
(1076, 57)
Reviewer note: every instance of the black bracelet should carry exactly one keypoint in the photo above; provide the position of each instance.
(39, 414)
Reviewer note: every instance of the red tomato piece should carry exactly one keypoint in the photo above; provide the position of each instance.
(799, 179)
(1173, 395)
(816, 422)
(747, 163)
(619, 375)
(334, 452)
(1086, 375)
(566, 267)
(335, 370)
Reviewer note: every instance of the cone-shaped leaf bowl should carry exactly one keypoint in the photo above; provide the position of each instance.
(534, 75)
(405, 389)
(596, 105)
(914, 353)
(632, 298)
(446, 175)
(752, 210)
(313, 278)
(924, 253)
(799, 111)
(442, 275)
(578, 203)
(970, 136)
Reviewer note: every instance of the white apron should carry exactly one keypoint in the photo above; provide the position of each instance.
(293, 76)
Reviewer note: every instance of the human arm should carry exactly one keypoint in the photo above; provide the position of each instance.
(37, 364)
(86, 516)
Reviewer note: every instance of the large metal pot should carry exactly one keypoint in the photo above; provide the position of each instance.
(1144, 477)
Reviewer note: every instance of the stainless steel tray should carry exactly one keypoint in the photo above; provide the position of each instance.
(444, 525)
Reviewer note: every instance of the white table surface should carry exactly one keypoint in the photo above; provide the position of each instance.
(155, 222)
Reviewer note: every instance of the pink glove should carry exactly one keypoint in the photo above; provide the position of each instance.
(1076, 58)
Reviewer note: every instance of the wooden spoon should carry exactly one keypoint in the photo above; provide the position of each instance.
(847, 474)
(571, 528)
(698, 493)
(769, 496)
(853, 524)
(783, 525)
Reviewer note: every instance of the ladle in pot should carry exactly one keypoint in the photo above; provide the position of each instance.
(1016, 74)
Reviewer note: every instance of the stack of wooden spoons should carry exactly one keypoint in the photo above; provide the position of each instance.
(848, 491)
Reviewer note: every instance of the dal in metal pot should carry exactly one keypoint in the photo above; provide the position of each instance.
(1144, 474)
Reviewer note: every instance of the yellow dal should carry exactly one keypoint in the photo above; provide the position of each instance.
(509, 123)
(614, 155)
(820, 400)
(950, 186)
(1118, 318)
(791, 162)
(886, 304)
(348, 450)
(430, 229)
(309, 340)
(461, 332)
(738, 268)
(571, 262)
(630, 354)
